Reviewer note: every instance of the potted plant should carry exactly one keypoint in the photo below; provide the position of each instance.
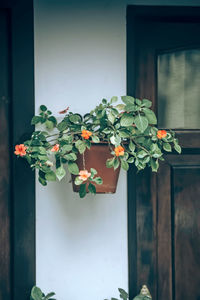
(37, 294)
(113, 134)
(143, 295)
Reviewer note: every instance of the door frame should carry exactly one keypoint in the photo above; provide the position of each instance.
(139, 184)
(22, 178)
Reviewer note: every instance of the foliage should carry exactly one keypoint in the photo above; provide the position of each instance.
(143, 295)
(37, 294)
(129, 129)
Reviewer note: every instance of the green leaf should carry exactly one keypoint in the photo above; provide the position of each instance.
(36, 293)
(111, 118)
(114, 111)
(82, 191)
(42, 157)
(78, 181)
(42, 181)
(110, 162)
(53, 120)
(123, 294)
(115, 140)
(138, 102)
(106, 131)
(113, 99)
(43, 108)
(124, 165)
(126, 120)
(92, 188)
(155, 151)
(51, 176)
(93, 172)
(150, 116)
(147, 103)
(177, 148)
(116, 163)
(131, 146)
(130, 160)
(28, 158)
(75, 118)
(48, 296)
(142, 154)
(98, 180)
(73, 168)
(124, 133)
(154, 165)
(70, 156)
(167, 147)
(60, 173)
(49, 124)
(62, 125)
(128, 99)
(130, 107)
(81, 146)
(42, 150)
(36, 120)
(66, 148)
(141, 122)
(120, 106)
(95, 139)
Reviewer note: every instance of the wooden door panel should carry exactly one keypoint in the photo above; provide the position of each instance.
(178, 228)
(164, 208)
(186, 208)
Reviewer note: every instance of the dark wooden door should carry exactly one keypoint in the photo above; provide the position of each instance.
(5, 238)
(164, 208)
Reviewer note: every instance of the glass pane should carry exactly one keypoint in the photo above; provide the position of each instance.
(179, 90)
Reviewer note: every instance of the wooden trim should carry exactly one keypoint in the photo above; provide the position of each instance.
(132, 233)
(23, 179)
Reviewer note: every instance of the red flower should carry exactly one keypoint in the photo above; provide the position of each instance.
(86, 134)
(119, 151)
(20, 150)
(161, 134)
(55, 148)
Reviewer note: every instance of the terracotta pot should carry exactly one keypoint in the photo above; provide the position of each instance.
(96, 158)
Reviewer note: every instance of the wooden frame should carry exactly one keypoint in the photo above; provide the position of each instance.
(142, 198)
(22, 178)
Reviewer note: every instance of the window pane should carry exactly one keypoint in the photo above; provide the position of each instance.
(179, 90)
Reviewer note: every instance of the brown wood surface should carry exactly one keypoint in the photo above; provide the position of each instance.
(164, 239)
(186, 214)
(5, 238)
(164, 234)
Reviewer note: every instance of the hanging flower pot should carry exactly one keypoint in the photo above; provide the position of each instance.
(96, 158)
(95, 145)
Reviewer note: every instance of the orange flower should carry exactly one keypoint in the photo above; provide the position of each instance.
(84, 175)
(20, 150)
(55, 148)
(119, 151)
(161, 134)
(86, 134)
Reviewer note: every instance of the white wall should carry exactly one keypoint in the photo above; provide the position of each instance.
(80, 57)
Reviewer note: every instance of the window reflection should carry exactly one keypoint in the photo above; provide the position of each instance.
(179, 90)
